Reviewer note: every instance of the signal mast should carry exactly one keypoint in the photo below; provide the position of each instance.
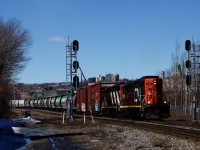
(72, 79)
(192, 78)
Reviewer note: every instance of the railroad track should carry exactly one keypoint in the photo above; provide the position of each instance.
(183, 132)
(179, 131)
(171, 129)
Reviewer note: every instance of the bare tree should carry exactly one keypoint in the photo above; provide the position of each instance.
(14, 44)
(14, 41)
(174, 83)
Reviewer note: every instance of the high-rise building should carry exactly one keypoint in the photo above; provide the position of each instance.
(100, 78)
(177, 70)
(112, 78)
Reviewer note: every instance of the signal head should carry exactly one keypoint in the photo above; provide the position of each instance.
(187, 45)
(75, 45)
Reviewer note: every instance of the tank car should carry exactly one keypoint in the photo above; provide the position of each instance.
(60, 102)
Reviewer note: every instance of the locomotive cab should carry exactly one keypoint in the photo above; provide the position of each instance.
(153, 91)
(154, 105)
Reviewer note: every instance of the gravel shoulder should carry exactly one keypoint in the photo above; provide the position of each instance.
(98, 135)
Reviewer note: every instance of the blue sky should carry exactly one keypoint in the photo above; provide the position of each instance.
(130, 37)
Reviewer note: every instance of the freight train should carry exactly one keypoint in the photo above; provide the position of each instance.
(141, 98)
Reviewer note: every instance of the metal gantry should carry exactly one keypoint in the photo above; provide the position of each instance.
(195, 77)
(72, 80)
(71, 56)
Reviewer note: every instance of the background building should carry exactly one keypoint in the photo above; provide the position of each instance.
(112, 78)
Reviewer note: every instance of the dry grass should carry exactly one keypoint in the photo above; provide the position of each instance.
(159, 142)
(180, 116)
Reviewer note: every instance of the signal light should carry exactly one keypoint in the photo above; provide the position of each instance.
(75, 64)
(188, 64)
(75, 81)
(75, 45)
(187, 45)
(188, 80)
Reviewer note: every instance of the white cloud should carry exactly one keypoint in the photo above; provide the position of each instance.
(57, 39)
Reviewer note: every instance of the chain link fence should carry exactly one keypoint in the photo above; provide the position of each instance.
(184, 111)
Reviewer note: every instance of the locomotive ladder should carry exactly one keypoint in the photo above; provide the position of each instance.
(142, 103)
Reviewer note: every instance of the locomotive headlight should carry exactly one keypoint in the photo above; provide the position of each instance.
(165, 102)
(148, 102)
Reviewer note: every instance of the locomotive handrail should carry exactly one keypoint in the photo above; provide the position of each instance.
(142, 103)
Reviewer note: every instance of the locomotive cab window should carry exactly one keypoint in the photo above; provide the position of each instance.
(149, 83)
